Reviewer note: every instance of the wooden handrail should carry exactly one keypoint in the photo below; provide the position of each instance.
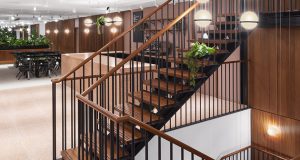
(110, 43)
(127, 118)
(234, 153)
(141, 48)
(255, 147)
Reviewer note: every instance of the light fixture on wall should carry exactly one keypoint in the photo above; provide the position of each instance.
(67, 31)
(273, 130)
(113, 30)
(28, 30)
(21, 29)
(203, 18)
(9, 29)
(203, 1)
(56, 31)
(108, 21)
(86, 31)
(48, 31)
(88, 22)
(249, 20)
(117, 21)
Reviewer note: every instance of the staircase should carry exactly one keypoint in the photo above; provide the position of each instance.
(118, 110)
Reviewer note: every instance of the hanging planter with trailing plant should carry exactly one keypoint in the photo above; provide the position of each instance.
(100, 22)
(197, 58)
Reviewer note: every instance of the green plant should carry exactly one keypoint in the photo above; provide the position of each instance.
(8, 40)
(193, 59)
(100, 21)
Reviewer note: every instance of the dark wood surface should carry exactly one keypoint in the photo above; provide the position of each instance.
(6, 56)
(274, 87)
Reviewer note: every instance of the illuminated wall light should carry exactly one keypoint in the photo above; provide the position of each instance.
(203, 18)
(9, 29)
(12, 18)
(21, 29)
(48, 31)
(108, 21)
(28, 30)
(34, 8)
(203, 1)
(114, 30)
(88, 22)
(117, 20)
(56, 31)
(273, 131)
(67, 31)
(249, 20)
(86, 31)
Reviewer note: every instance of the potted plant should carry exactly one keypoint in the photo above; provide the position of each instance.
(100, 22)
(196, 58)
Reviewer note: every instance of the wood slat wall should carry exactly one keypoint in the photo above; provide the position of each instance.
(62, 42)
(274, 85)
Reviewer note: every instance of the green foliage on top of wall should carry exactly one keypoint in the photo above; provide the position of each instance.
(8, 41)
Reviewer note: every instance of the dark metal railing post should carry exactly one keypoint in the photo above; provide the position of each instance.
(54, 120)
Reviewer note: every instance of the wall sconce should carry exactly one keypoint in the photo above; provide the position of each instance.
(203, 1)
(114, 30)
(56, 31)
(28, 30)
(21, 29)
(48, 31)
(249, 20)
(116, 21)
(108, 21)
(67, 31)
(88, 22)
(273, 130)
(86, 31)
(203, 18)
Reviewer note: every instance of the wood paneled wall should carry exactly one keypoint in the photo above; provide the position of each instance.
(93, 41)
(62, 42)
(66, 43)
(274, 86)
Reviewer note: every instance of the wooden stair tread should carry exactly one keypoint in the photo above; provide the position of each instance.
(71, 154)
(179, 73)
(179, 60)
(138, 112)
(167, 87)
(219, 51)
(220, 31)
(108, 147)
(155, 100)
(127, 134)
(217, 41)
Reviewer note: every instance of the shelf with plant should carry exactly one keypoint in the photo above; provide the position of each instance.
(196, 58)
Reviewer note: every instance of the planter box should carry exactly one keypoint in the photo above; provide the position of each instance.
(6, 56)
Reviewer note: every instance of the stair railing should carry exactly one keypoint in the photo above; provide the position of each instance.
(89, 70)
(95, 139)
(253, 152)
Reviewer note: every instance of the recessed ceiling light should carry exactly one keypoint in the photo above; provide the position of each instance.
(34, 8)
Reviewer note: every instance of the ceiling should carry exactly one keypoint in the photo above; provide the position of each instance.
(38, 11)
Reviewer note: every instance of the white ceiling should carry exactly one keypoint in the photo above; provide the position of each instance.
(50, 10)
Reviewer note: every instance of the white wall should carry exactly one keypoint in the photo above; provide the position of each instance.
(42, 28)
(214, 138)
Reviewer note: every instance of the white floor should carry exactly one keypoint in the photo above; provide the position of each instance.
(8, 79)
(25, 117)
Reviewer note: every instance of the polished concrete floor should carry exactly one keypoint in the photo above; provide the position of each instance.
(25, 117)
